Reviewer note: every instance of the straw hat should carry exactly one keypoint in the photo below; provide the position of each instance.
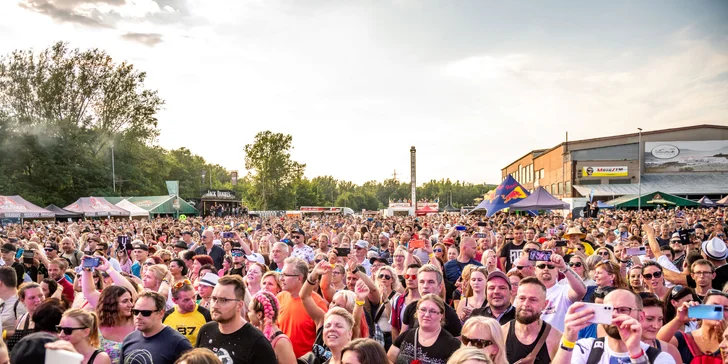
(574, 231)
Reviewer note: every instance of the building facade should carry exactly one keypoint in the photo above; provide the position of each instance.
(687, 161)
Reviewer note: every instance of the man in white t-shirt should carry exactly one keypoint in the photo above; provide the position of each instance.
(623, 343)
(559, 296)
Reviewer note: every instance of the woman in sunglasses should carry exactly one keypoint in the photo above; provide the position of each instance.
(606, 254)
(577, 262)
(654, 280)
(704, 341)
(485, 334)
(439, 250)
(81, 328)
(388, 285)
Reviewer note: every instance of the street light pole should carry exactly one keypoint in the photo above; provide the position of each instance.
(113, 169)
(639, 182)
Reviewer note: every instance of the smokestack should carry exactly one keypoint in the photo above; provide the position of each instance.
(413, 175)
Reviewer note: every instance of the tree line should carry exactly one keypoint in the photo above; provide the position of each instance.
(64, 111)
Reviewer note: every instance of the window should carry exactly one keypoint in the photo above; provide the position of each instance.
(568, 188)
(622, 181)
(553, 188)
(547, 188)
(584, 182)
(561, 188)
(542, 173)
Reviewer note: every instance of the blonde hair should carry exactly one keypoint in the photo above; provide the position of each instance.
(87, 319)
(467, 353)
(482, 323)
(395, 280)
(159, 271)
(349, 297)
(346, 315)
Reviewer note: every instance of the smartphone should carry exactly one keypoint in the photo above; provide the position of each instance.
(602, 313)
(90, 262)
(416, 244)
(62, 357)
(540, 255)
(706, 312)
(686, 236)
(343, 252)
(552, 231)
(227, 235)
(481, 235)
(460, 228)
(482, 223)
(19, 253)
(28, 256)
(636, 251)
(561, 243)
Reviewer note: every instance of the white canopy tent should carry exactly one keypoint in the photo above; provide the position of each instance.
(134, 210)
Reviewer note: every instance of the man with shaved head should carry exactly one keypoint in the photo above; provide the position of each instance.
(454, 268)
(208, 247)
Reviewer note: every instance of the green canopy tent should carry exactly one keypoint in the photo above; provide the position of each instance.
(163, 205)
(652, 200)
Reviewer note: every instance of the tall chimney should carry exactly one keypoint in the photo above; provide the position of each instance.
(413, 175)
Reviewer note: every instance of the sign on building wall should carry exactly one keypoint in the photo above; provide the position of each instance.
(620, 171)
(686, 156)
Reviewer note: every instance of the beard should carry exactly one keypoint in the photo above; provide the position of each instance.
(612, 331)
(221, 318)
(526, 319)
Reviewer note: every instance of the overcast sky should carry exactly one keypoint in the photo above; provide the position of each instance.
(472, 84)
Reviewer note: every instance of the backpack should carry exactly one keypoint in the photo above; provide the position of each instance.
(597, 350)
(698, 356)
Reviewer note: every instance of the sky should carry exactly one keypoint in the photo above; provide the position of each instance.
(473, 85)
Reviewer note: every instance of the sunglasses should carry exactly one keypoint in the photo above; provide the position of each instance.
(649, 276)
(145, 313)
(604, 253)
(68, 330)
(575, 264)
(236, 253)
(714, 292)
(410, 276)
(385, 276)
(519, 267)
(438, 250)
(478, 343)
(543, 266)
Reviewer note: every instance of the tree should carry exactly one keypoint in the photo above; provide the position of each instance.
(268, 160)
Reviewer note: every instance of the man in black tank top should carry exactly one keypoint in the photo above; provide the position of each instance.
(528, 338)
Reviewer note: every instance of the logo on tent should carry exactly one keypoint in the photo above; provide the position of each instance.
(7, 204)
(517, 193)
(657, 197)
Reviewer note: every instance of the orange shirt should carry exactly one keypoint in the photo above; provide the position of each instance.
(295, 322)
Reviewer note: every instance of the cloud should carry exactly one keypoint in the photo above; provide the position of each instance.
(68, 11)
(148, 39)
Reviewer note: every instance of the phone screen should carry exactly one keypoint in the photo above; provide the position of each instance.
(539, 255)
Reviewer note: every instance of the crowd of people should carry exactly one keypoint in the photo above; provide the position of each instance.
(437, 289)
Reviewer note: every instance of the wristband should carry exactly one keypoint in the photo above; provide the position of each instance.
(359, 303)
(566, 343)
(642, 352)
(565, 348)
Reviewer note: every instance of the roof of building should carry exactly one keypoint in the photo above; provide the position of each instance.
(676, 184)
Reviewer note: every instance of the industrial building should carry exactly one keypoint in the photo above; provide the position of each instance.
(688, 161)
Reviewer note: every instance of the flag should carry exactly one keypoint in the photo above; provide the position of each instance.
(507, 193)
(173, 187)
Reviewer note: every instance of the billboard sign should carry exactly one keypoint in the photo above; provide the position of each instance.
(620, 171)
(686, 156)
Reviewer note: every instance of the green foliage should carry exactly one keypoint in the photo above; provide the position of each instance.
(62, 111)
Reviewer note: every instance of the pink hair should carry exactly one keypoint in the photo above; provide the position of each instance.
(270, 306)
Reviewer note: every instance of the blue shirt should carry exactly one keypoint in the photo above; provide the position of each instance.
(453, 269)
(136, 269)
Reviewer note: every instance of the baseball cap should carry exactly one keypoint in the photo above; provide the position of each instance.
(378, 259)
(31, 349)
(298, 231)
(180, 244)
(9, 247)
(498, 274)
(256, 257)
(675, 237)
(51, 246)
(362, 244)
(141, 246)
(186, 233)
(384, 234)
(209, 279)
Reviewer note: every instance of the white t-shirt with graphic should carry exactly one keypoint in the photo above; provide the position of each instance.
(583, 349)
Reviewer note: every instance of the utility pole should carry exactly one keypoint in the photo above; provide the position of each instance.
(113, 170)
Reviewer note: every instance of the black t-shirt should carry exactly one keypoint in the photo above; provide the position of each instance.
(163, 348)
(452, 321)
(506, 317)
(239, 271)
(19, 271)
(245, 346)
(663, 242)
(216, 253)
(511, 252)
(437, 353)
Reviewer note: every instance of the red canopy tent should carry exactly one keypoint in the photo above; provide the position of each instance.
(426, 210)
